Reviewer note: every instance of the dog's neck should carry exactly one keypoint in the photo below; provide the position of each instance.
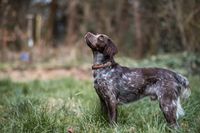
(101, 61)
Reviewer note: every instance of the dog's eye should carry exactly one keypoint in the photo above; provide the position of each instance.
(101, 38)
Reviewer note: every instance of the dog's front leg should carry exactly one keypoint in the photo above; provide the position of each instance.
(108, 103)
(103, 106)
(112, 111)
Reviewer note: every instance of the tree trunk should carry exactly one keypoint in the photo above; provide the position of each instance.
(138, 33)
(180, 21)
(72, 21)
(51, 21)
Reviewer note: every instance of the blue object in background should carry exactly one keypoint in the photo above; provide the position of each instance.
(25, 56)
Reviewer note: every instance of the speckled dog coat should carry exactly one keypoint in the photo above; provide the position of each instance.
(116, 84)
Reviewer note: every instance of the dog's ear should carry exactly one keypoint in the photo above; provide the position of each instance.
(110, 49)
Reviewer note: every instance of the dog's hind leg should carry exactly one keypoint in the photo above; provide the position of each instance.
(180, 111)
(169, 109)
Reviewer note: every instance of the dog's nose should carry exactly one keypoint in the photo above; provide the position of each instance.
(88, 34)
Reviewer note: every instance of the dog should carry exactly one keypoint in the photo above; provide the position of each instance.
(116, 84)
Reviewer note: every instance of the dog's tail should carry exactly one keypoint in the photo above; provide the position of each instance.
(184, 85)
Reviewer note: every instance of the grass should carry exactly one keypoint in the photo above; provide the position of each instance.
(61, 105)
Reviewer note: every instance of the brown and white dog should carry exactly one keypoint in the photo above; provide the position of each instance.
(116, 84)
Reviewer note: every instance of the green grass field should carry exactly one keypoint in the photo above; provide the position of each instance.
(56, 106)
(69, 104)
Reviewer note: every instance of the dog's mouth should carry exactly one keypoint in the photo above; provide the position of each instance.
(91, 40)
(88, 41)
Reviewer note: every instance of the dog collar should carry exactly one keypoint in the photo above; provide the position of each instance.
(98, 66)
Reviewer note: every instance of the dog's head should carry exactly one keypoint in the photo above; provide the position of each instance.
(101, 43)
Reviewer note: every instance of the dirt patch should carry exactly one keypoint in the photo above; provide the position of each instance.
(46, 74)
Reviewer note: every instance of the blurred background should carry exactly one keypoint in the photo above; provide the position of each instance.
(45, 66)
(49, 34)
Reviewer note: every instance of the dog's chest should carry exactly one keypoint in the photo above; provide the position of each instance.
(105, 77)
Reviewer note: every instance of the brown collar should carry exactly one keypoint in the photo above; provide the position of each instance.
(97, 66)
